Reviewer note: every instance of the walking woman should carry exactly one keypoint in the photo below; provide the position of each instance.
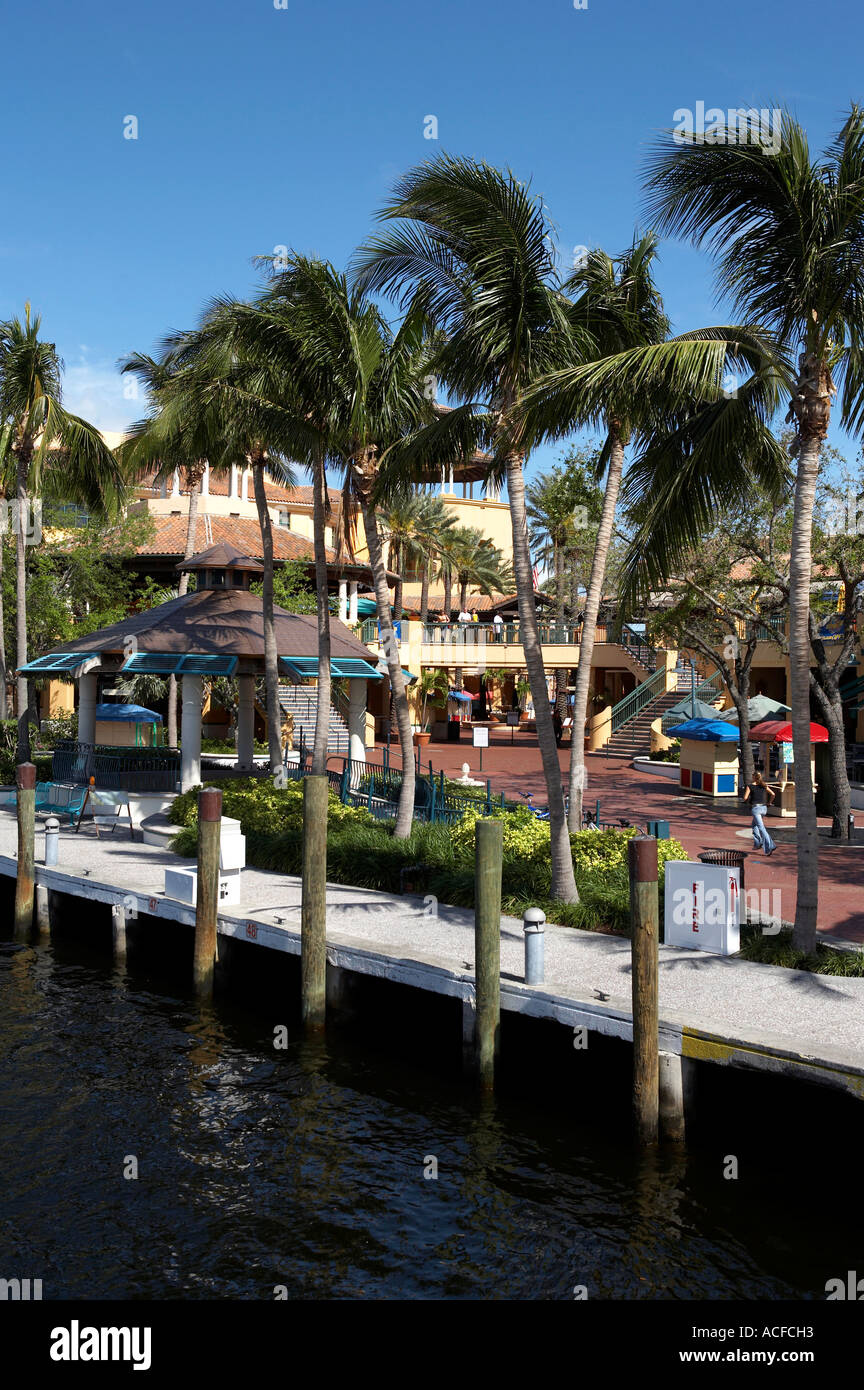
(759, 794)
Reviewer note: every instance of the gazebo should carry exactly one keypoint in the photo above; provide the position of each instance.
(216, 631)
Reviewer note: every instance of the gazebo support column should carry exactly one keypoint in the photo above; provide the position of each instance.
(343, 600)
(87, 709)
(190, 733)
(352, 602)
(245, 721)
(357, 720)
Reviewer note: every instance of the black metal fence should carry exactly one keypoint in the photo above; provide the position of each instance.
(118, 768)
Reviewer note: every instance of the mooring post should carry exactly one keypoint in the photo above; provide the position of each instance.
(488, 856)
(207, 900)
(24, 883)
(313, 913)
(672, 1125)
(644, 921)
(118, 930)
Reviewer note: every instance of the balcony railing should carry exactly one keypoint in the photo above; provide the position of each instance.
(768, 629)
(551, 634)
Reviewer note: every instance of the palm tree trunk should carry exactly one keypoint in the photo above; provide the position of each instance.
(405, 809)
(560, 602)
(182, 588)
(800, 570)
(563, 882)
(396, 563)
(448, 593)
(322, 710)
(424, 593)
(23, 471)
(271, 655)
(589, 624)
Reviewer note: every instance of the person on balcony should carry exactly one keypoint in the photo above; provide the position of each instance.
(498, 625)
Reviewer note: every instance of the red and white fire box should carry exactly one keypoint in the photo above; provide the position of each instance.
(702, 907)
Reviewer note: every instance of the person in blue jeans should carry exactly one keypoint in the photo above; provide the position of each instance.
(759, 794)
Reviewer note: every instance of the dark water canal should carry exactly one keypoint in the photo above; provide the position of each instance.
(309, 1167)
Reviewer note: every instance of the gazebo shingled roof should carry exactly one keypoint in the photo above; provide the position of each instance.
(222, 556)
(220, 622)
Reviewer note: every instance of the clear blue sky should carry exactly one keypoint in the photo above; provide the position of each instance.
(261, 126)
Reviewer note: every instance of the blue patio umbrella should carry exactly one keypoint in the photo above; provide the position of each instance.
(705, 731)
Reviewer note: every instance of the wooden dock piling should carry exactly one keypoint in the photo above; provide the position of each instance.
(207, 899)
(25, 877)
(645, 924)
(488, 858)
(313, 913)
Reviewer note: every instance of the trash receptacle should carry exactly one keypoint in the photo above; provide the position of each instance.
(727, 858)
(454, 727)
(659, 829)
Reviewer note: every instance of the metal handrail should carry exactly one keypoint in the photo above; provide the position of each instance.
(637, 700)
(639, 647)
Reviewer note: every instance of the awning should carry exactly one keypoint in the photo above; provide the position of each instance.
(131, 714)
(79, 662)
(366, 608)
(462, 695)
(177, 664)
(775, 731)
(705, 731)
(345, 668)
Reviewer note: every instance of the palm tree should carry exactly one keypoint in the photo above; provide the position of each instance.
(244, 399)
(433, 681)
(665, 395)
(475, 563)
(786, 231)
(433, 523)
(479, 565)
(551, 507)
(448, 549)
(402, 523)
(474, 251)
(179, 439)
(49, 446)
(315, 368)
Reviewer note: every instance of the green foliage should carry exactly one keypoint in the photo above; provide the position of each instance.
(363, 852)
(74, 585)
(672, 754)
(292, 589)
(778, 950)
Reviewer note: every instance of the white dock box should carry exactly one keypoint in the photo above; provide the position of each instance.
(702, 907)
(232, 845)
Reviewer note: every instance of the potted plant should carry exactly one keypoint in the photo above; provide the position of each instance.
(433, 682)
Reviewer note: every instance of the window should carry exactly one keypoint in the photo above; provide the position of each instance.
(328, 536)
(284, 518)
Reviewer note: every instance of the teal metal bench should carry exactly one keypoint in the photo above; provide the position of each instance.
(61, 799)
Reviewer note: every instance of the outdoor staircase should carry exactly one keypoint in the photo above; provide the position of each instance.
(633, 739)
(633, 716)
(301, 702)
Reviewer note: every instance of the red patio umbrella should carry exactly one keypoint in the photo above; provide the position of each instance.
(780, 731)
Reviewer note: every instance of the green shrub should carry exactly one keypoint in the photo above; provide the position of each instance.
(778, 950)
